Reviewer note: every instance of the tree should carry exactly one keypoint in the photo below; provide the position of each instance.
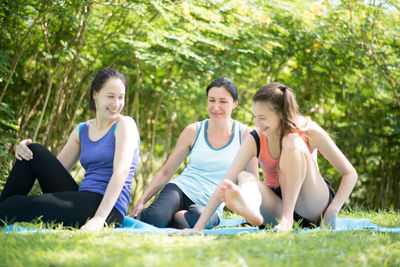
(341, 59)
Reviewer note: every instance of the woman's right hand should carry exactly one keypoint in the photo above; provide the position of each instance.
(22, 151)
(137, 209)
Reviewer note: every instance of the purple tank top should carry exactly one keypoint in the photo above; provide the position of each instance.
(97, 159)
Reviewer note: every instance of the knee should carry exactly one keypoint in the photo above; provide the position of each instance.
(245, 176)
(293, 145)
(292, 141)
(154, 217)
(37, 148)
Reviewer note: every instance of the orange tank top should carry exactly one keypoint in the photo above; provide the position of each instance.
(267, 163)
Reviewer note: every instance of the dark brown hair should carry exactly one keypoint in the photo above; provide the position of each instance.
(228, 84)
(101, 77)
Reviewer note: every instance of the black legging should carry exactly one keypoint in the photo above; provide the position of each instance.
(171, 200)
(61, 202)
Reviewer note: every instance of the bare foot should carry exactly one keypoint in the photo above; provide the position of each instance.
(231, 195)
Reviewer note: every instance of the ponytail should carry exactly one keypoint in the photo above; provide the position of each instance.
(283, 102)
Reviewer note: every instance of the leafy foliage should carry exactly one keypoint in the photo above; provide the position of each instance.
(340, 57)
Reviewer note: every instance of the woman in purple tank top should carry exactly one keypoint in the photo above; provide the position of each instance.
(105, 196)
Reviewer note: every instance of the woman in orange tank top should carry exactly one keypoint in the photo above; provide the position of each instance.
(286, 145)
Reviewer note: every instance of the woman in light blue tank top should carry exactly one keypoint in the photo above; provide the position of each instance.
(211, 145)
(108, 148)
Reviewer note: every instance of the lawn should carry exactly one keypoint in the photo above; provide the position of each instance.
(324, 248)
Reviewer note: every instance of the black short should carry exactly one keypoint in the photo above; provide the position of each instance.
(303, 222)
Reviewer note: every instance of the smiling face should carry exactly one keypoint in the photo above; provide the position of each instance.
(220, 103)
(110, 99)
(266, 118)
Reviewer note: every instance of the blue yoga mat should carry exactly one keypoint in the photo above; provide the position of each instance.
(226, 227)
(230, 227)
(128, 224)
(136, 226)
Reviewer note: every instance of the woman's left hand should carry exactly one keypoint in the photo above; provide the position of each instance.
(285, 225)
(94, 224)
(329, 220)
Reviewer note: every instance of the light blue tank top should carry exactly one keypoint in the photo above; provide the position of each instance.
(207, 165)
(97, 158)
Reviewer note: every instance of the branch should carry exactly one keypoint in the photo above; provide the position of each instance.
(50, 80)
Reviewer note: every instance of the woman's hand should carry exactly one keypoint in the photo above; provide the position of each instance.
(285, 225)
(329, 220)
(22, 151)
(188, 231)
(94, 224)
(137, 209)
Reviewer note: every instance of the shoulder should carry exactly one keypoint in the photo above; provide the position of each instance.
(126, 121)
(315, 132)
(78, 127)
(74, 135)
(75, 132)
(251, 143)
(191, 129)
(188, 136)
(126, 124)
(316, 135)
(82, 125)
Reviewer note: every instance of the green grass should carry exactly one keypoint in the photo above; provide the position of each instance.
(75, 248)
